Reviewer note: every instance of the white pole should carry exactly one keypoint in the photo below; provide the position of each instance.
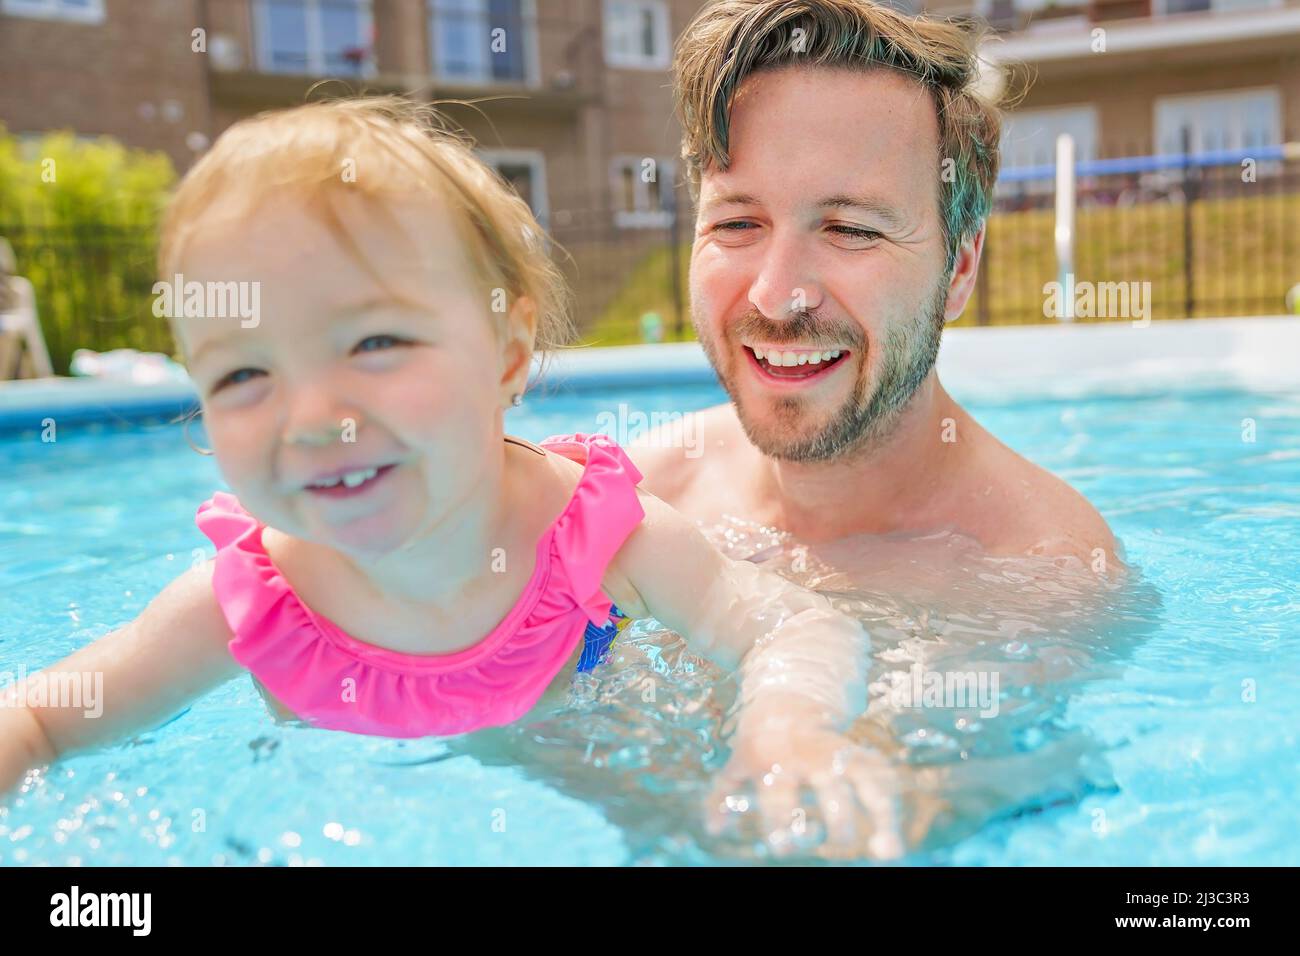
(1065, 201)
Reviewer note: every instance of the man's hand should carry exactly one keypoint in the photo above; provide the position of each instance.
(775, 760)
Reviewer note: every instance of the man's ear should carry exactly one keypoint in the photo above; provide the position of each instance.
(965, 272)
(517, 348)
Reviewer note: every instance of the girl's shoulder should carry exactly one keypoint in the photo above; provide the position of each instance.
(604, 509)
(595, 484)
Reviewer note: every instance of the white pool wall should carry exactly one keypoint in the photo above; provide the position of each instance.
(994, 364)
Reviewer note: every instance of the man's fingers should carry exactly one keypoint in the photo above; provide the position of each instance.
(876, 790)
(839, 812)
(728, 802)
(778, 804)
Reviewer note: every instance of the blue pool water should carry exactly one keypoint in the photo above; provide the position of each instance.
(1153, 723)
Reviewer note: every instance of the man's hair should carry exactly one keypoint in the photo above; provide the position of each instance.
(731, 40)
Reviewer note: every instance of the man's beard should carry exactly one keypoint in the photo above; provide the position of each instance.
(864, 421)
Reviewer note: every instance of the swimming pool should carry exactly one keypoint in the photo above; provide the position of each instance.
(1152, 724)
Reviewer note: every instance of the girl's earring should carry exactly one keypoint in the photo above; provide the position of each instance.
(516, 399)
(190, 441)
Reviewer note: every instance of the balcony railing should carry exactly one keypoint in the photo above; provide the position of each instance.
(1012, 16)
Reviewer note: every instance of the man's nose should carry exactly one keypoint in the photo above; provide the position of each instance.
(787, 283)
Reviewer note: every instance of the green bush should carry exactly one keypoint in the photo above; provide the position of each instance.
(83, 217)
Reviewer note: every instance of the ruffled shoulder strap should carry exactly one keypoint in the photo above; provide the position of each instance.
(603, 511)
(246, 583)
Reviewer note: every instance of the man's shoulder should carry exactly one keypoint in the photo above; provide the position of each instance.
(675, 454)
(1043, 514)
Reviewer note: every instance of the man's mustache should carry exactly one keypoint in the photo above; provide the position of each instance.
(805, 328)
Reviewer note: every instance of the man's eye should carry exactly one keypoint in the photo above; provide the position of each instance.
(375, 343)
(853, 232)
(238, 377)
(735, 226)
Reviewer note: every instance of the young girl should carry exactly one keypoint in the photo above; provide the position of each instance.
(391, 562)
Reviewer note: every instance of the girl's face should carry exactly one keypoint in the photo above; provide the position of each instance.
(352, 411)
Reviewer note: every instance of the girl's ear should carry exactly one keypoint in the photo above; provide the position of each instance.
(517, 349)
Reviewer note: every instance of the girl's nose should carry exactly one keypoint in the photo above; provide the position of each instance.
(315, 418)
(324, 433)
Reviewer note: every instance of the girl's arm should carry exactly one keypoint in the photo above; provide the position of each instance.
(803, 672)
(130, 680)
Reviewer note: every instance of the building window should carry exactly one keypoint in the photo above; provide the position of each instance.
(1029, 136)
(316, 37)
(636, 34)
(1219, 121)
(525, 171)
(642, 188)
(483, 41)
(1029, 139)
(82, 11)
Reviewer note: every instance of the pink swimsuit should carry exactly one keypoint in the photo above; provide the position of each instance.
(334, 681)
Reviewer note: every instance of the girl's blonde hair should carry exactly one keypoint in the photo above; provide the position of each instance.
(385, 148)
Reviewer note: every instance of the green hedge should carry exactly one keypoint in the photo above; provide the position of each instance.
(83, 217)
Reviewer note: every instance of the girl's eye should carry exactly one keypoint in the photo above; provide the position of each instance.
(238, 377)
(376, 343)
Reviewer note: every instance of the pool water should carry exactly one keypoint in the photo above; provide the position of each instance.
(1153, 721)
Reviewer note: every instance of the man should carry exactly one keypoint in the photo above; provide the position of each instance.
(843, 166)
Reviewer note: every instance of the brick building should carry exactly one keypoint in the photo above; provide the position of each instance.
(574, 94)
(574, 97)
(1127, 77)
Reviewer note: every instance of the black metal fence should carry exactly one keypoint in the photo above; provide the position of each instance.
(1194, 236)
(1212, 235)
(1207, 239)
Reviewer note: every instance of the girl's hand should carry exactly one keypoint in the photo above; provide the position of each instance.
(853, 790)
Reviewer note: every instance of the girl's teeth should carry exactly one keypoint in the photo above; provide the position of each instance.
(352, 479)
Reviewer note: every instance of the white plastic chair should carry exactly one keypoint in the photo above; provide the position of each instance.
(20, 317)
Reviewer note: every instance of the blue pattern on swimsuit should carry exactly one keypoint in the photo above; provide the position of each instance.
(597, 641)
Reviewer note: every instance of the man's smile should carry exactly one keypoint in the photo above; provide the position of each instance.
(785, 366)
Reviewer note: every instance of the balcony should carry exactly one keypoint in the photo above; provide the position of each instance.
(1102, 11)
(269, 52)
(1016, 16)
(1146, 33)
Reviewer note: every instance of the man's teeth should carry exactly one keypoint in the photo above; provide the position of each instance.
(351, 479)
(777, 357)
